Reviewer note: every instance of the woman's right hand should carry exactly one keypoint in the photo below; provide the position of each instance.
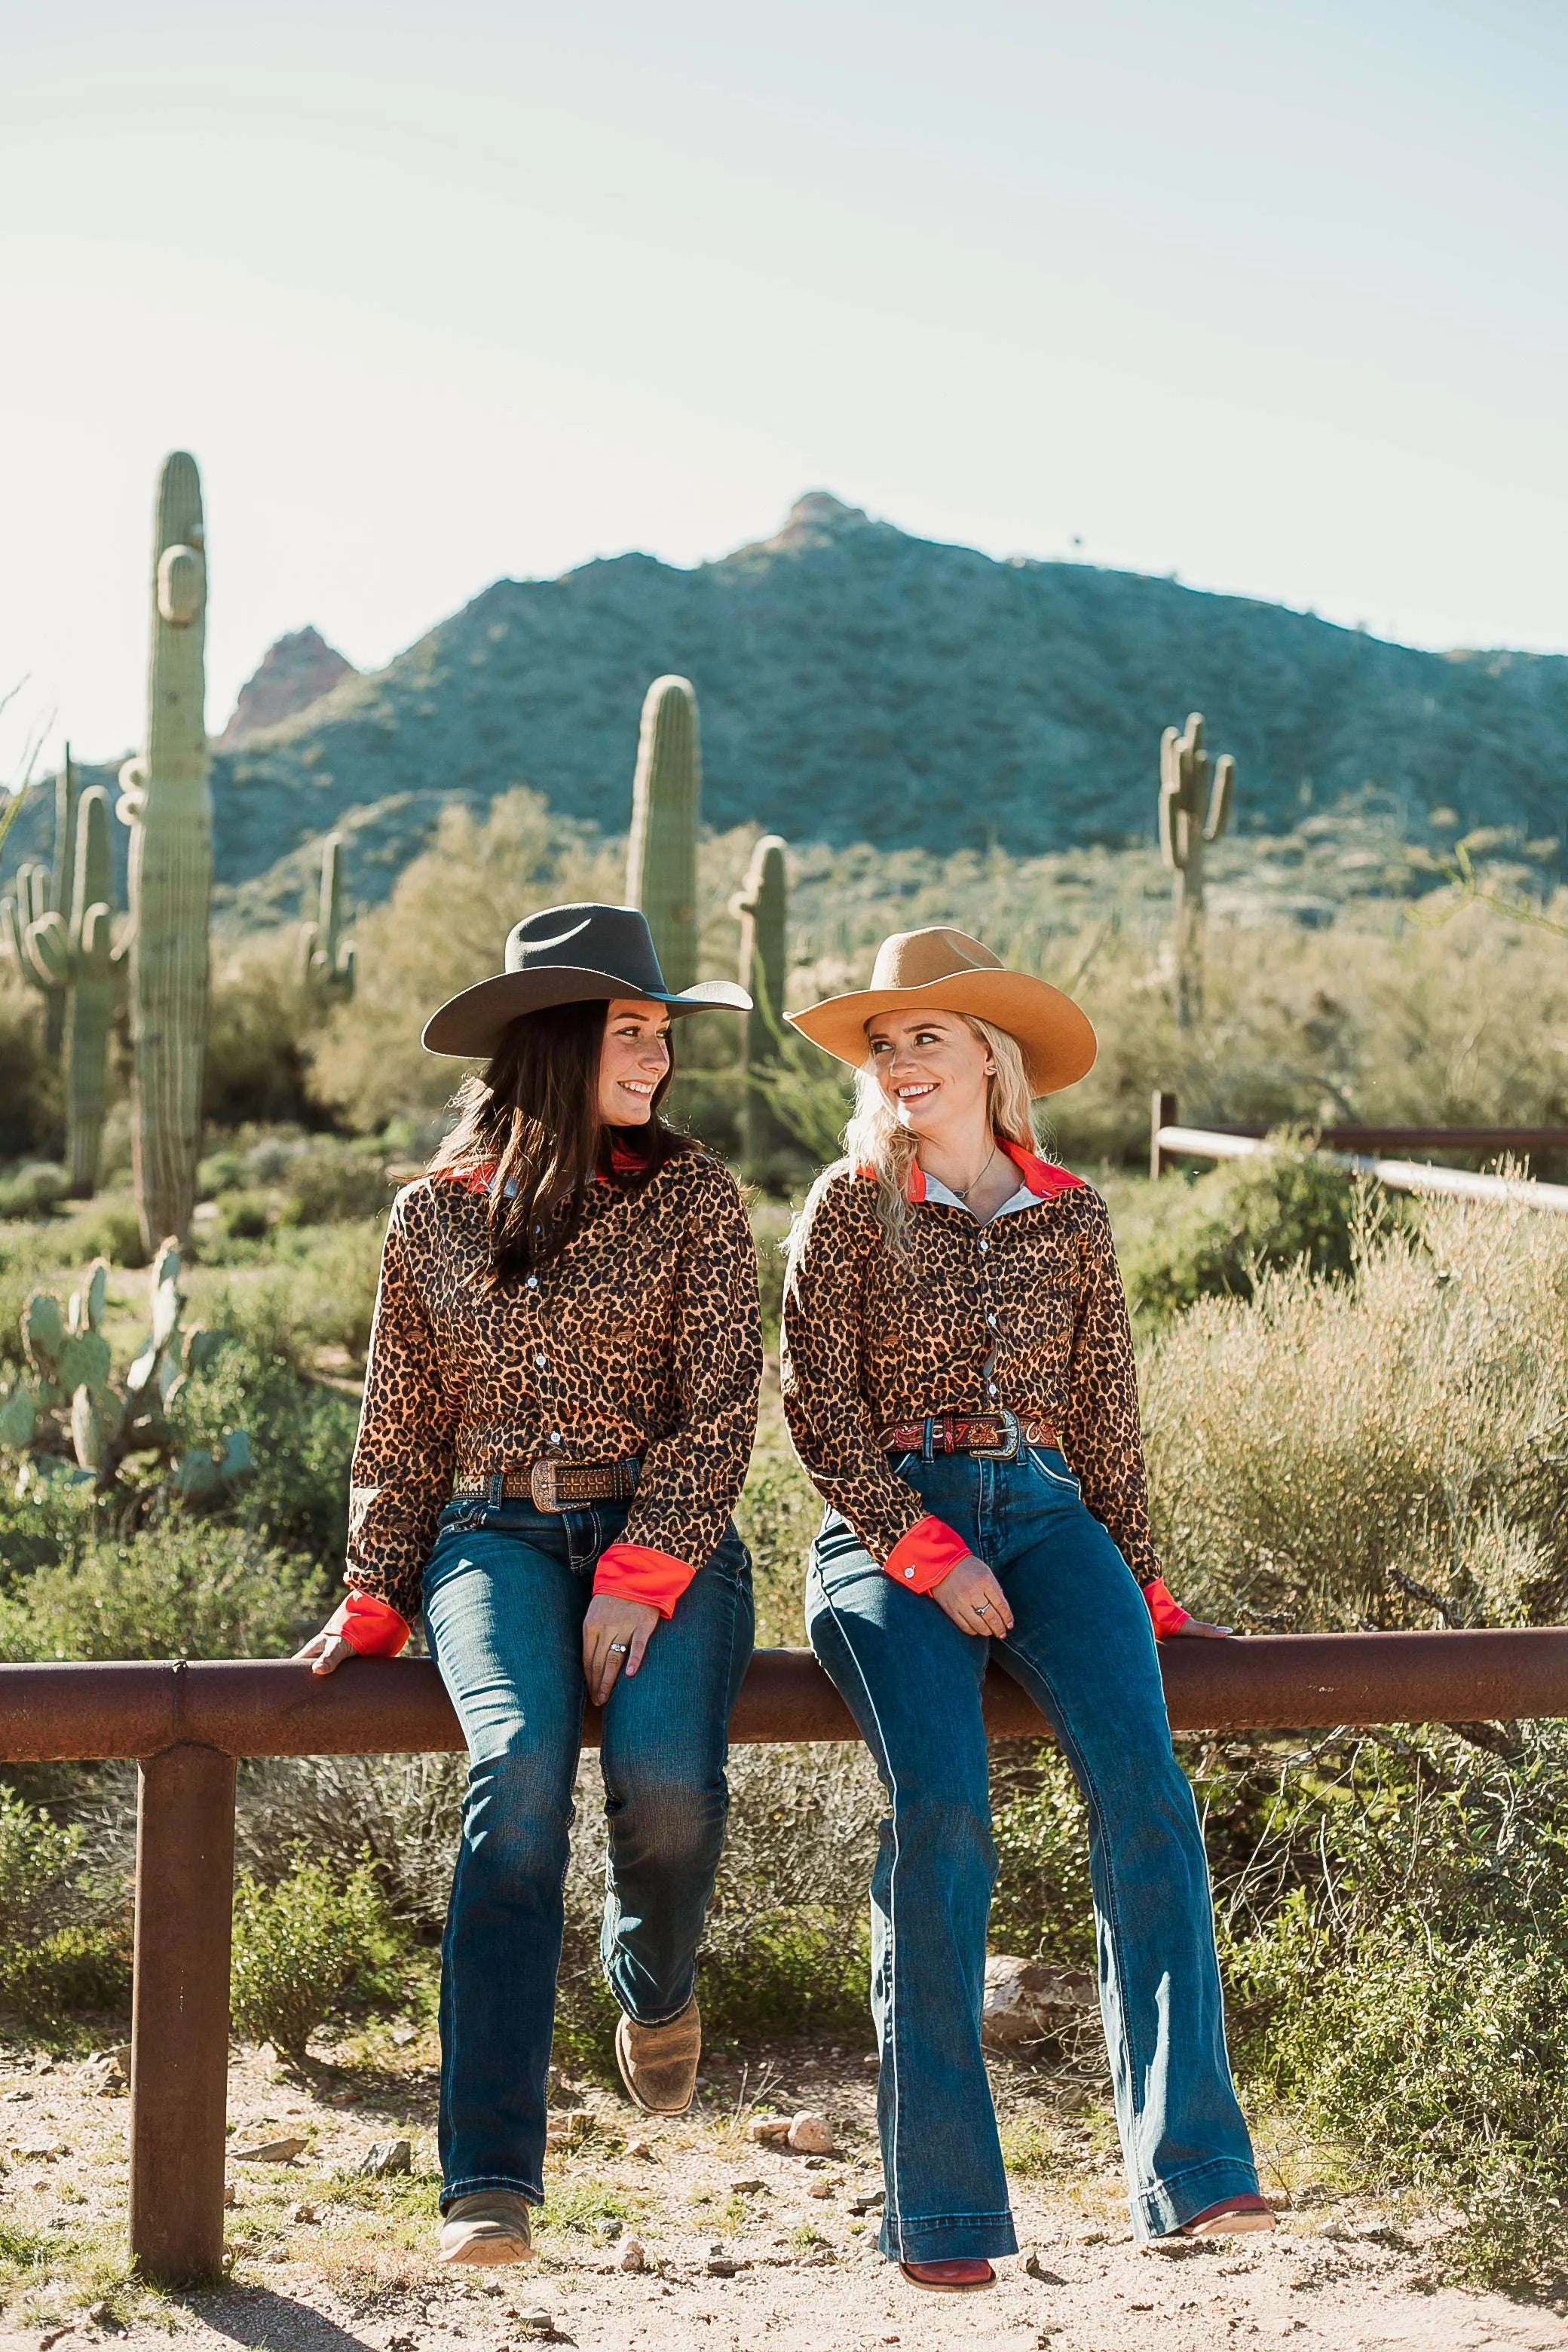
(972, 1597)
(326, 1652)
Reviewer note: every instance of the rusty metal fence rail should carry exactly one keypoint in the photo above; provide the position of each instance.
(187, 1725)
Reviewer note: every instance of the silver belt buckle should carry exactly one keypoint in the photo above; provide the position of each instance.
(1010, 1450)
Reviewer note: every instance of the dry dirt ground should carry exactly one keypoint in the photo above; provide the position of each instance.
(746, 2248)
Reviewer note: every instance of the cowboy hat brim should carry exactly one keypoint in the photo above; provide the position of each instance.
(473, 1021)
(1057, 1039)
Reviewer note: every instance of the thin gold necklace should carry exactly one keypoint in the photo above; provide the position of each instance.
(963, 1191)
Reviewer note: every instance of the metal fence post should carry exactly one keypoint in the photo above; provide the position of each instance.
(179, 2028)
(1162, 1113)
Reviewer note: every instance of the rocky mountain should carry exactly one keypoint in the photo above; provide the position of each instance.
(294, 673)
(859, 684)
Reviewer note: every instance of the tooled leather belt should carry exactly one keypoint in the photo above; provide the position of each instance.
(553, 1486)
(990, 1436)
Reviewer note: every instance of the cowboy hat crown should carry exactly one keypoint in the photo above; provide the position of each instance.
(564, 955)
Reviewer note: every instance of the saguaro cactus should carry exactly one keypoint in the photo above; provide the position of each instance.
(326, 958)
(763, 905)
(164, 800)
(68, 953)
(1193, 811)
(661, 858)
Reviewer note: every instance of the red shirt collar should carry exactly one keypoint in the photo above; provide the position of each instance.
(481, 1176)
(1043, 1177)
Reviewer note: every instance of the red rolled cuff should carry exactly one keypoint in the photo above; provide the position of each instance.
(924, 1556)
(1167, 1612)
(631, 1571)
(370, 1626)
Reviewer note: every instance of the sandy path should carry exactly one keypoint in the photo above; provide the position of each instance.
(748, 2249)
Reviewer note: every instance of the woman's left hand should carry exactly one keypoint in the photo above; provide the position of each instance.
(614, 1635)
(1195, 1625)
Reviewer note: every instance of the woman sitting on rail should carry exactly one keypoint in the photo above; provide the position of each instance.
(959, 1383)
(559, 1407)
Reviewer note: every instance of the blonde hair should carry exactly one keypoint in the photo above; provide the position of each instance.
(876, 1145)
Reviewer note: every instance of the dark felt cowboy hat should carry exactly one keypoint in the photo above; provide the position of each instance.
(560, 956)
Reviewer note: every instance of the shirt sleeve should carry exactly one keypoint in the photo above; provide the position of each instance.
(690, 1479)
(828, 1418)
(1104, 1437)
(402, 1475)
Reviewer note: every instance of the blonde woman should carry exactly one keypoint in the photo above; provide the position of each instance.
(959, 1383)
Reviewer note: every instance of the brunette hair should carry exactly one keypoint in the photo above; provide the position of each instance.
(530, 1129)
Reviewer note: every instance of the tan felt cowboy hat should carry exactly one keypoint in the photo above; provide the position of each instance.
(947, 972)
(560, 956)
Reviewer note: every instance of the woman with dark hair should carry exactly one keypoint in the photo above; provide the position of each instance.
(959, 1382)
(559, 1406)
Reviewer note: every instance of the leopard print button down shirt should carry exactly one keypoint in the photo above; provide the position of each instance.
(871, 1340)
(642, 1339)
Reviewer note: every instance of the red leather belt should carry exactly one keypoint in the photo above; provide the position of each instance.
(553, 1486)
(992, 1436)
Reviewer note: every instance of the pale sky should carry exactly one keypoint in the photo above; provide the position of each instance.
(1266, 293)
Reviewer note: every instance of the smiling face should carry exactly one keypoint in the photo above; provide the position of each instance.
(933, 1070)
(633, 1061)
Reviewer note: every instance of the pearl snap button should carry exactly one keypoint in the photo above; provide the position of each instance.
(910, 1574)
(532, 1283)
(555, 1437)
(541, 1361)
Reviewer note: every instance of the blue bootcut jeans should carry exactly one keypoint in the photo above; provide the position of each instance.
(505, 1593)
(1083, 1648)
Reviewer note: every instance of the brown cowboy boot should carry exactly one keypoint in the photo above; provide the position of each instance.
(658, 2063)
(489, 2226)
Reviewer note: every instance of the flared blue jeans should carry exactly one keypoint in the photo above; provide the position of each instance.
(1083, 1648)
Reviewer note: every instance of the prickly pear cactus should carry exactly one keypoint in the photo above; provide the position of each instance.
(326, 960)
(164, 800)
(73, 1416)
(1193, 811)
(763, 905)
(661, 857)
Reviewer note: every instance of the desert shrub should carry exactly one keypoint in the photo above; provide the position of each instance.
(29, 1079)
(1042, 1907)
(262, 1027)
(107, 1226)
(1396, 1940)
(181, 1589)
(64, 1937)
(444, 928)
(1180, 1241)
(1326, 1454)
(33, 1188)
(334, 1181)
(402, 1812)
(778, 1515)
(316, 1290)
(302, 1436)
(306, 1947)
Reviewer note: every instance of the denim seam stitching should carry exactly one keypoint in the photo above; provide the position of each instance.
(896, 2215)
(1076, 1757)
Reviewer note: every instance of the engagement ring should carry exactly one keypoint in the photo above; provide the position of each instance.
(619, 1649)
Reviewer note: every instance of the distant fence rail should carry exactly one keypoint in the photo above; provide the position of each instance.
(187, 1725)
(1168, 1141)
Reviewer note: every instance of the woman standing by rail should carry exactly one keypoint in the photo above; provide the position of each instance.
(959, 1383)
(559, 1406)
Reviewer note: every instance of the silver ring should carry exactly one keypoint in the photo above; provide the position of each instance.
(620, 1649)
(983, 1609)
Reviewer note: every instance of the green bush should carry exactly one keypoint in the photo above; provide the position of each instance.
(301, 1436)
(29, 1079)
(1180, 1241)
(64, 1941)
(1043, 1905)
(1388, 1449)
(182, 1588)
(32, 1190)
(304, 1949)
